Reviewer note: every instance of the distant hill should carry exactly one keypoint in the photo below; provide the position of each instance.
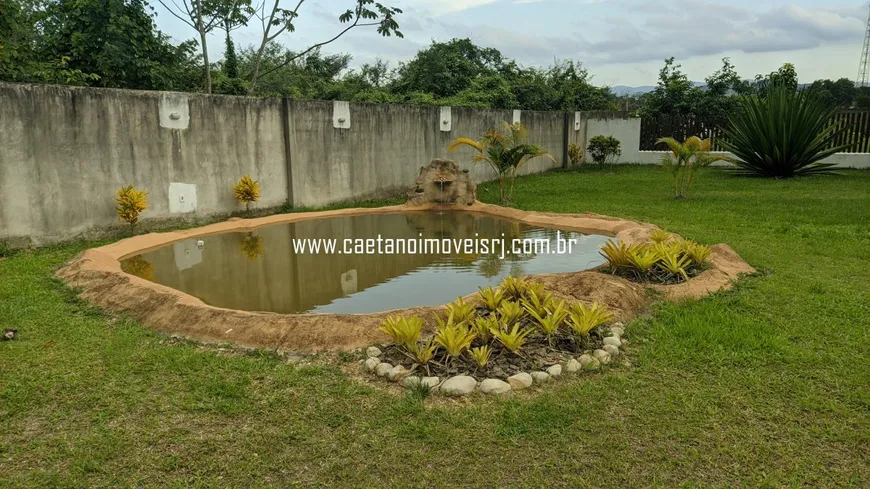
(627, 90)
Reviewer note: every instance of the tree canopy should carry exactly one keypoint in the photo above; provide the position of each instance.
(116, 43)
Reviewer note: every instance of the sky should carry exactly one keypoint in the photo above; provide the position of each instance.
(621, 42)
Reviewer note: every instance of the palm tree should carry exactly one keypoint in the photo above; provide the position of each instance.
(505, 152)
(687, 159)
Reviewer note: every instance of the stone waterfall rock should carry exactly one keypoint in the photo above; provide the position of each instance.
(443, 182)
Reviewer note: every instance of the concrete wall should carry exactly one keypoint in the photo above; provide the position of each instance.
(385, 146)
(64, 151)
(626, 130)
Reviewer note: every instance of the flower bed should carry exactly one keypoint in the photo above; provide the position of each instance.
(667, 259)
(505, 338)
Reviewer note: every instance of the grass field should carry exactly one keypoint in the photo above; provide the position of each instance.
(767, 385)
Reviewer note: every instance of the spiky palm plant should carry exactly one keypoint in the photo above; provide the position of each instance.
(505, 151)
(785, 133)
(685, 161)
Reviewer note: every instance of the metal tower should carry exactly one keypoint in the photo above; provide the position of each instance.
(864, 67)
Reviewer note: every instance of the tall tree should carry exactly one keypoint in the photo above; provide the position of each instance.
(114, 42)
(674, 93)
(446, 68)
(365, 13)
(840, 93)
(204, 16)
(786, 75)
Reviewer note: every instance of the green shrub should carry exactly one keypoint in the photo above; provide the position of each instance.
(785, 133)
(604, 150)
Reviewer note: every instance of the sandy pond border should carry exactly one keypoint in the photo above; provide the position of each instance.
(97, 272)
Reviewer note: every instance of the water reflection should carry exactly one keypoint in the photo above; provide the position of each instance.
(252, 246)
(261, 272)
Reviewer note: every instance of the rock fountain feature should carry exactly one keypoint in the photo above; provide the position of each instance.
(443, 182)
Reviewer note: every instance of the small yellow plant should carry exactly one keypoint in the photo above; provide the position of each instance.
(454, 339)
(697, 253)
(404, 331)
(481, 355)
(423, 352)
(447, 322)
(660, 236)
(643, 259)
(674, 263)
(514, 339)
(551, 319)
(461, 311)
(535, 287)
(129, 204)
(514, 288)
(575, 153)
(618, 256)
(483, 326)
(246, 191)
(584, 319)
(537, 302)
(510, 312)
(491, 298)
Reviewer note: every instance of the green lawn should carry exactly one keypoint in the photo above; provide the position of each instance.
(764, 386)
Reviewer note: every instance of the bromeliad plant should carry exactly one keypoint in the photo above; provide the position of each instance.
(404, 331)
(481, 355)
(513, 339)
(551, 319)
(483, 327)
(660, 236)
(784, 133)
(685, 160)
(510, 312)
(461, 311)
(505, 151)
(537, 302)
(665, 260)
(514, 287)
(423, 352)
(583, 319)
(521, 326)
(491, 298)
(454, 339)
